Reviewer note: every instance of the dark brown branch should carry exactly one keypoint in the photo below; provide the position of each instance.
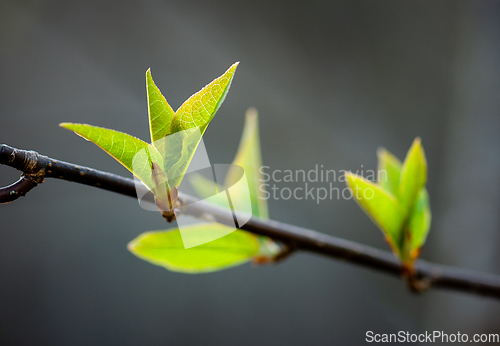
(35, 167)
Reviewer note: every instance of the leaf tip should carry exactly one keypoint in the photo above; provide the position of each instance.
(419, 149)
(252, 113)
(381, 152)
(68, 126)
(349, 178)
(233, 67)
(131, 246)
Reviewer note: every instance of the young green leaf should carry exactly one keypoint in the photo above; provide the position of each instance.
(381, 206)
(172, 154)
(188, 125)
(389, 171)
(400, 205)
(166, 249)
(413, 175)
(207, 188)
(200, 108)
(159, 111)
(419, 225)
(249, 157)
(122, 147)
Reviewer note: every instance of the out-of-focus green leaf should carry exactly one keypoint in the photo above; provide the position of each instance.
(207, 188)
(159, 111)
(122, 147)
(389, 171)
(166, 249)
(381, 206)
(249, 157)
(200, 108)
(419, 224)
(413, 175)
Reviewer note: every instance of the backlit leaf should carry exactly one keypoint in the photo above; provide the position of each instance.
(122, 147)
(188, 125)
(419, 225)
(381, 206)
(389, 171)
(413, 175)
(207, 188)
(166, 249)
(420, 219)
(159, 111)
(249, 157)
(200, 108)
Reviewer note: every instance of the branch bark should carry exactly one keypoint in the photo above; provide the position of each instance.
(36, 167)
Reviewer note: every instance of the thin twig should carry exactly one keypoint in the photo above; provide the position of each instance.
(35, 167)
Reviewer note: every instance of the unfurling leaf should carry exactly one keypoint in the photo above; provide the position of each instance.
(206, 188)
(166, 249)
(159, 111)
(162, 165)
(404, 184)
(123, 147)
(188, 126)
(250, 159)
(172, 154)
(419, 225)
(413, 174)
(381, 206)
(200, 108)
(389, 171)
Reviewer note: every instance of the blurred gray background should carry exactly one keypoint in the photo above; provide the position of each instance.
(332, 80)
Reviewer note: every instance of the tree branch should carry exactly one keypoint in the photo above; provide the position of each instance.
(36, 167)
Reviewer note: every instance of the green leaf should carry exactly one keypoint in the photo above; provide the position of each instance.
(249, 157)
(389, 171)
(381, 206)
(420, 219)
(419, 225)
(188, 125)
(200, 108)
(166, 249)
(122, 147)
(207, 188)
(413, 175)
(404, 184)
(159, 111)
(175, 137)
(178, 150)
